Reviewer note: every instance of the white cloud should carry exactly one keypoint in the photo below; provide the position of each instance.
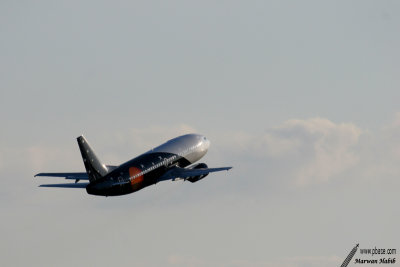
(380, 153)
(312, 150)
(326, 148)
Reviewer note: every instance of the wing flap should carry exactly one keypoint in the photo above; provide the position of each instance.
(177, 172)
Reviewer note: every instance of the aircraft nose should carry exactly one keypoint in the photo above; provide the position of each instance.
(206, 143)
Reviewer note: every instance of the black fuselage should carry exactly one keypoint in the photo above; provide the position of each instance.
(136, 174)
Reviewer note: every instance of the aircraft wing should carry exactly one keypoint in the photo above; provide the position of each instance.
(177, 172)
(66, 175)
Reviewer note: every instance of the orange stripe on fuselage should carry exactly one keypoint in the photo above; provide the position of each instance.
(137, 180)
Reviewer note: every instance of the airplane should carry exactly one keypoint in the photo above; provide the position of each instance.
(173, 160)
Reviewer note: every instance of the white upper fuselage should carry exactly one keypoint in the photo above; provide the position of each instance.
(190, 146)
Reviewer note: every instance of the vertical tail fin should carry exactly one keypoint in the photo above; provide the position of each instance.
(94, 168)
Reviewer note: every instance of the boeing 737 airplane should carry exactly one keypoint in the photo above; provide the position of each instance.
(172, 160)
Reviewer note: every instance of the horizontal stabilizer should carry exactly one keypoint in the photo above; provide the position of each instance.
(71, 185)
(66, 175)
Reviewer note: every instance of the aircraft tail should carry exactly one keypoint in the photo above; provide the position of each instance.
(94, 168)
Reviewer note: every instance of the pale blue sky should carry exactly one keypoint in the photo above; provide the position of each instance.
(301, 97)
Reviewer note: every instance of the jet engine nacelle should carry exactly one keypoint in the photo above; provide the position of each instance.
(199, 177)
